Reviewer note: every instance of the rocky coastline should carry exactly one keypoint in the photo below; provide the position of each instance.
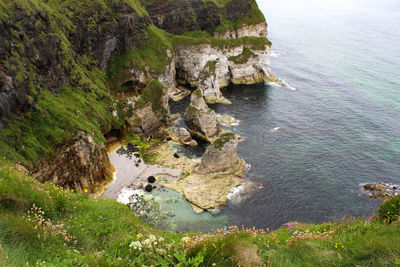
(97, 86)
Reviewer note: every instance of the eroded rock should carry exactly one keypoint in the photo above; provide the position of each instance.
(210, 67)
(151, 110)
(186, 138)
(200, 119)
(221, 155)
(80, 165)
(380, 190)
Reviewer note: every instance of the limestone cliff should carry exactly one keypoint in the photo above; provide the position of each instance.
(210, 68)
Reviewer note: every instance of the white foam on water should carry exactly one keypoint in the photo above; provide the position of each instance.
(288, 85)
(234, 195)
(125, 194)
(276, 129)
(274, 54)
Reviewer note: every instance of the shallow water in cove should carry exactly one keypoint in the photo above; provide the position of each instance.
(339, 129)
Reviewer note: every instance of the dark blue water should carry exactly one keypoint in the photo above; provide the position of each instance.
(339, 129)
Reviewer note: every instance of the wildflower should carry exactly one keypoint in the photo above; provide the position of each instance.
(152, 238)
(85, 190)
(185, 239)
(136, 245)
(160, 251)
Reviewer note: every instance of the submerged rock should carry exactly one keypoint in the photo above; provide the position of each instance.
(200, 119)
(227, 120)
(380, 190)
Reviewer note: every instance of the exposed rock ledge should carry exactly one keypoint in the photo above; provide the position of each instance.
(381, 190)
(82, 165)
(218, 174)
(211, 67)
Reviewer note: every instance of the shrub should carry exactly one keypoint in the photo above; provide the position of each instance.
(389, 210)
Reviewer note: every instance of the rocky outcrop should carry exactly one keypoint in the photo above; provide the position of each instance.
(221, 155)
(381, 190)
(200, 120)
(217, 179)
(186, 138)
(210, 67)
(255, 30)
(151, 110)
(81, 165)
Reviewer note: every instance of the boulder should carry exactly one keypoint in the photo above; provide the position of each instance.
(186, 138)
(80, 165)
(201, 120)
(380, 190)
(221, 155)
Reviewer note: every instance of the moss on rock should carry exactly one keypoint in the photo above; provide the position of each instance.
(243, 57)
(223, 139)
(153, 93)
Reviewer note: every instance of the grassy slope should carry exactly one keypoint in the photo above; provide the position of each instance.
(105, 229)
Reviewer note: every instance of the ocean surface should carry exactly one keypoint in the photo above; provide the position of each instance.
(333, 127)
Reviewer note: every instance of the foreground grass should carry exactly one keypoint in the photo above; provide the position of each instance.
(42, 225)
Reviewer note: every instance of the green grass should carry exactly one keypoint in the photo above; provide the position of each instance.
(152, 54)
(243, 57)
(105, 230)
(153, 93)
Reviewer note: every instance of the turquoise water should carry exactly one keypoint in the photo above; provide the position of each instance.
(339, 129)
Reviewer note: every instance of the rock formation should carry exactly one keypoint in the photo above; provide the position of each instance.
(221, 155)
(381, 190)
(200, 119)
(81, 165)
(218, 174)
(186, 138)
(210, 68)
(151, 110)
(179, 16)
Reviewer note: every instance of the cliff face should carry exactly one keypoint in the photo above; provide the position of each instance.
(64, 66)
(182, 16)
(39, 46)
(210, 68)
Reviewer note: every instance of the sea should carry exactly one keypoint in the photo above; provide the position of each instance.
(332, 126)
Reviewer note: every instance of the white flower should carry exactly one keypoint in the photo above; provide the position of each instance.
(160, 251)
(147, 243)
(152, 238)
(136, 245)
